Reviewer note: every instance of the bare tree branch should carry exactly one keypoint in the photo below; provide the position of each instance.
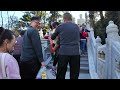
(2, 19)
(8, 19)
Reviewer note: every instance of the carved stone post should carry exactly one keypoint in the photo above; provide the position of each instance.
(112, 35)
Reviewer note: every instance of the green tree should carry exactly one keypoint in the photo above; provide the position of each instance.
(100, 25)
(92, 18)
(55, 15)
(26, 17)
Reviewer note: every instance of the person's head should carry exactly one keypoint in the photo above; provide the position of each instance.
(35, 22)
(7, 40)
(67, 17)
(55, 24)
(22, 33)
(83, 27)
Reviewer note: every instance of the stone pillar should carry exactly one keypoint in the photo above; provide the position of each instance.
(112, 35)
(93, 47)
(98, 43)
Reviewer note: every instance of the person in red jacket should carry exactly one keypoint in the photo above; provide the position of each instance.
(83, 40)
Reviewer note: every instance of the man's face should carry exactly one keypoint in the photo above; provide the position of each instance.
(35, 24)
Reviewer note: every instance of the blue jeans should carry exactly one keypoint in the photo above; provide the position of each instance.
(82, 45)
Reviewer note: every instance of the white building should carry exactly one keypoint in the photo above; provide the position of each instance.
(81, 20)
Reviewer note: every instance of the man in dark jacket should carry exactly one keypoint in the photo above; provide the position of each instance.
(69, 51)
(31, 55)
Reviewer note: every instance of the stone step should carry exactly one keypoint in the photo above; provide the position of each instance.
(84, 62)
(84, 69)
(84, 65)
(83, 58)
(84, 76)
(83, 55)
(81, 76)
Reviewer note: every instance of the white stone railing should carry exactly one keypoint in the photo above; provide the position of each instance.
(46, 51)
(92, 55)
(105, 58)
(115, 54)
(101, 60)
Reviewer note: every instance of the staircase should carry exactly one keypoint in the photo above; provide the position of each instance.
(84, 67)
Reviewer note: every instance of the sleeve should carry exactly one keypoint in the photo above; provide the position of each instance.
(51, 45)
(58, 41)
(36, 42)
(12, 68)
(55, 34)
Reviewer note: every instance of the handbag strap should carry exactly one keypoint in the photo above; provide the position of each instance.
(4, 76)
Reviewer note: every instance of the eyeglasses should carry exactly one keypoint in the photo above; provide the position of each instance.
(37, 22)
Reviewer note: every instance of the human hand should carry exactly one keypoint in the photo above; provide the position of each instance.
(49, 37)
(43, 64)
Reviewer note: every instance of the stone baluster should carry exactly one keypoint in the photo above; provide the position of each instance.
(112, 36)
(98, 41)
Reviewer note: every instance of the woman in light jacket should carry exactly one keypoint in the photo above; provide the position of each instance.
(7, 42)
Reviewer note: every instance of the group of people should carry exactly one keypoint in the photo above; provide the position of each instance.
(27, 55)
(28, 58)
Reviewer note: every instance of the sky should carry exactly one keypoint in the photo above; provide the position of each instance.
(75, 14)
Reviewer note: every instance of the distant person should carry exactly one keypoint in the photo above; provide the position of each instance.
(51, 30)
(7, 42)
(18, 46)
(69, 51)
(83, 39)
(31, 55)
(83, 27)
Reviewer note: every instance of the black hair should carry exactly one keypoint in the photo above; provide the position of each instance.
(5, 34)
(50, 26)
(54, 24)
(35, 18)
(22, 33)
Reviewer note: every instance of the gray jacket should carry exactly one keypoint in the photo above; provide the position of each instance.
(69, 38)
(31, 46)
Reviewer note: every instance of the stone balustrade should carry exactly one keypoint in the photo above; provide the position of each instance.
(106, 58)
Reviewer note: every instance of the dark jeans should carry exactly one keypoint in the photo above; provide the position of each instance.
(55, 59)
(83, 44)
(29, 69)
(74, 62)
